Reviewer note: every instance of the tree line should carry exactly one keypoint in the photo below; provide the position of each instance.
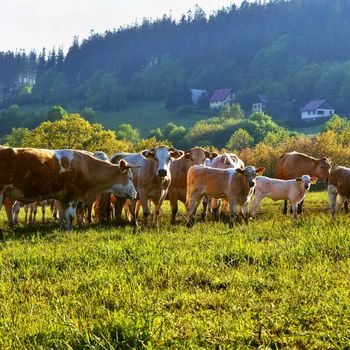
(290, 50)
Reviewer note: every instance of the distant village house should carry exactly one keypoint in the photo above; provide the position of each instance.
(316, 109)
(221, 97)
(260, 104)
(197, 94)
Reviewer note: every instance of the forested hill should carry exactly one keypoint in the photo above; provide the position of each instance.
(291, 51)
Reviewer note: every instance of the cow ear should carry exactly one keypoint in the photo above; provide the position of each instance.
(188, 154)
(224, 159)
(239, 171)
(214, 155)
(123, 165)
(147, 154)
(177, 154)
(260, 171)
(298, 179)
(314, 180)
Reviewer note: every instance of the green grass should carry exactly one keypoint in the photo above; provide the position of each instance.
(145, 116)
(277, 283)
(309, 130)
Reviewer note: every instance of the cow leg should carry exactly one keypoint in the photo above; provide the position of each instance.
(192, 206)
(26, 209)
(33, 211)
(300, 207)
(332, 195)
(118, 209)
(233, 212)
(295, 209)
(346, 207)
(14, 213)
(134, 213)
(223, 211)
(157, 208)
(43, 209)
(89, 212)
(285, 208)
(66, 214)
(255, 205)
(174, 207)
(340, 202)
(205, 202)
(215, 206)
(9, 205)
(246, 213)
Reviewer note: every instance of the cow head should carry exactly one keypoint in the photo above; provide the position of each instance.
(306, 181)
(162, 155)
(323, 168)
(125, 188)
(250, 174)
(198, 155)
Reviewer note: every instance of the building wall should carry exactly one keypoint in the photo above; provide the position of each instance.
(218, 104)
(258, 107)
(319, 113)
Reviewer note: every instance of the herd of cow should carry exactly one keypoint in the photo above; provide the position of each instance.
(76, 181)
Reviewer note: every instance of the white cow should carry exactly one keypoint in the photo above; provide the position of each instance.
(152, 179)
(293, 190)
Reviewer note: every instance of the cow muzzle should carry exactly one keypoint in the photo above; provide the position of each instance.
(162, 173)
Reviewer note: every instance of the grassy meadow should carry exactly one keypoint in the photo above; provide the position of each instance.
(276, 283)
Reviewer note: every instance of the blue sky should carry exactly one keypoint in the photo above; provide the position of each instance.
(33, 24)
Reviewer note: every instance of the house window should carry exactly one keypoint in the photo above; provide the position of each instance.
(308, 112)
(320, 112)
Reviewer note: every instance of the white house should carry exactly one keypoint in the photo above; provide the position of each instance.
(260, 104)
(197, 94)
(317, 109)
(221, 97)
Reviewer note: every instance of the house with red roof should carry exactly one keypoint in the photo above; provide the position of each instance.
(221, 97)
(317, 109)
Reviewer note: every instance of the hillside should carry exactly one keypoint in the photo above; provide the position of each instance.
(292, 51)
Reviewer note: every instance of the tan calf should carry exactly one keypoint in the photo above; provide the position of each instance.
(179, 169)
(235, 185)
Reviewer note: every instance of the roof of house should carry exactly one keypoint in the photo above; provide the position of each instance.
(316, 104)
(220, 95)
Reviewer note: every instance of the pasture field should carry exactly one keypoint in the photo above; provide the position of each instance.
(276, 283)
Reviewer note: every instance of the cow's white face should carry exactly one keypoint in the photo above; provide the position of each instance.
(163, 158)
(127, 190)
(306, 181)
(162, 155)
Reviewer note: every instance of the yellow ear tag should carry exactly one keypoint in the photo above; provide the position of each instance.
(314, 180)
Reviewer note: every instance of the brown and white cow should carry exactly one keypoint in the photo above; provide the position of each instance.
(235, 185)
(338, 188)
(151, 180)
(179, 168)
(30, 175)
(223, 161)
(294, 164)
